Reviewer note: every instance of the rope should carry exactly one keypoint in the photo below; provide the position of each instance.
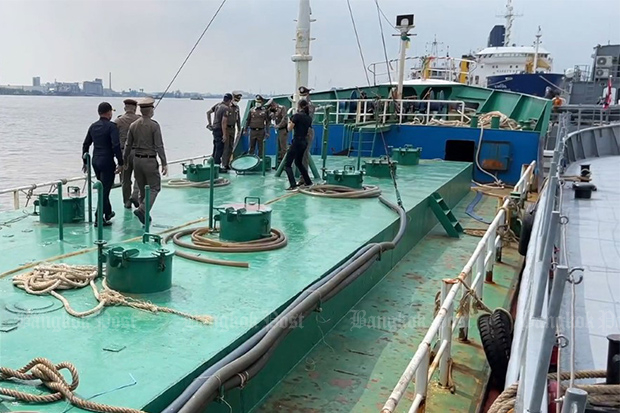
(50, 376)
(338, 191)
(359, 46)
(50, 278)
(184, 183)
(191, 51)
(470, 293)
(599, 394)
(201, 242)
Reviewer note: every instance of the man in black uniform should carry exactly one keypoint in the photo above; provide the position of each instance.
(104, 137)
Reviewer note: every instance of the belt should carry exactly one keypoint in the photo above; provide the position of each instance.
(145, 156)
(257, 128)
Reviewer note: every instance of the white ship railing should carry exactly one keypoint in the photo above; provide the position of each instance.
(401, 111)
(27, 191)
(479, 267)
(440, 67)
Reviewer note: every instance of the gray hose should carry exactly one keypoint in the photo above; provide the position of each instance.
(281, 324)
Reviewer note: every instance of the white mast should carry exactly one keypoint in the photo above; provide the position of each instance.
(538, 35)
(302, 55)
(404, 24)
(510, 18)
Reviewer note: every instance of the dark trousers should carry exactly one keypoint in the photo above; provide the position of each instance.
(104, 171)
(218, 146)
(128, 194)
(296, 154)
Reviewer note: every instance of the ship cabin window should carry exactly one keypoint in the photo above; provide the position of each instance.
(460, 151)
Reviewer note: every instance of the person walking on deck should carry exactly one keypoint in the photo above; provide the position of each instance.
(258, 125)
(280, 121)
(104, 137)
(300, 123)
(220, 129)
(233, 130)
(145, 140)
(304, 94)
(123, 122)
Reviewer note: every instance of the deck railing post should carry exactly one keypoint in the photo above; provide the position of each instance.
(446, 336)
(61, 230)
(100, 242)
(421, 379)
(15, 199)
(212, 189)
(464, 323)
(89, 182)
(491, 250)
(147, 208)
(547, 250)
(480, 274)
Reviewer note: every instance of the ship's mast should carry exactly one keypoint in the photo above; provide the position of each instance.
(538, 35)
(510, 18)
(404, 23)
(302, 55)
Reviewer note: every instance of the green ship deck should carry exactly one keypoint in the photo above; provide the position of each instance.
(164, 353)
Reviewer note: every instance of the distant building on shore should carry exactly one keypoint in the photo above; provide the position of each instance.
(93, 88)
(36, 81)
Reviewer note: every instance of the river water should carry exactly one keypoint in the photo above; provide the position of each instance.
(41, 136)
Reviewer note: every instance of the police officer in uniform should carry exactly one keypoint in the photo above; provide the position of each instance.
(123, 122)
(258, 125)
(145, 140)
(220, 129)
(233, 129)
(280, 122)
(104, 137)
(304, 94)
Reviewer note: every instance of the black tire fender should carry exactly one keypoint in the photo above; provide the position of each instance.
(526, 229)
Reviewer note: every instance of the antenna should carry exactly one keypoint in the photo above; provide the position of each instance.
(509, 15)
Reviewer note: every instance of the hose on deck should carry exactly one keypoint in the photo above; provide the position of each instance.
(201, 242)
(249, 358)
(339, 191)
(184, 183)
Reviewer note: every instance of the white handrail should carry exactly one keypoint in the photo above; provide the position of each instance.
(444, 315)
(15, 191)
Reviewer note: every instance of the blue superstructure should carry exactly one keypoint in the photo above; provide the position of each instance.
(527, 83)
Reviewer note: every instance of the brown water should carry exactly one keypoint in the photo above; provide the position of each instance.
(41, 136)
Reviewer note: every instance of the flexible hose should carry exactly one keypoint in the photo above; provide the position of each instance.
(339, 191)
(200, 242)
(282, 324)
(184, 183)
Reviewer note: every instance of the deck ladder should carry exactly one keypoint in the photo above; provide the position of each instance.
(444, 215)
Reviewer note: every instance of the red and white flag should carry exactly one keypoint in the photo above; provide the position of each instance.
(607, 102)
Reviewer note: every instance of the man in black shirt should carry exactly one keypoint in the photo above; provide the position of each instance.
(300, 124)
(104, 137)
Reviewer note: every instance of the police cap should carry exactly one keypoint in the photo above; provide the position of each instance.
(104, 107)
(304, 90)
(259, 98)
(130, 102)
(237, 94)
(147, 103)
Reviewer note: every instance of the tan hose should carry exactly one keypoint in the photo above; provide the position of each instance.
(184, 183)
(338, 191)
(202, 243)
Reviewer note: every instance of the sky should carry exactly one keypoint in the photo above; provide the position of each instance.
(248, 47)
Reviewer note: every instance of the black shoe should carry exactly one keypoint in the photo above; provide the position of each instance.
(223, 170)
(109, 217)
(106, 223)
(135, 203)
(292, 188)
(140, 216)
(117, 185)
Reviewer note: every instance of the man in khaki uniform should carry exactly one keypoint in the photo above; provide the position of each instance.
(280, 121)
(233, 130)
(122, 122)
(304, 94)
(258, 125)
(145, 140)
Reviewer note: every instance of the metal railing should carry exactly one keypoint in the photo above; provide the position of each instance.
(401, 111)
(438, 67)
(479, 268)
(27, 191)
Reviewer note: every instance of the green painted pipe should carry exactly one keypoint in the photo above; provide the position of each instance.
(211, 192)
(89, 184)
(325, 140)
(264, 157)
(147, 209)
(61, 220)
(359, 150)
(281, 166)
